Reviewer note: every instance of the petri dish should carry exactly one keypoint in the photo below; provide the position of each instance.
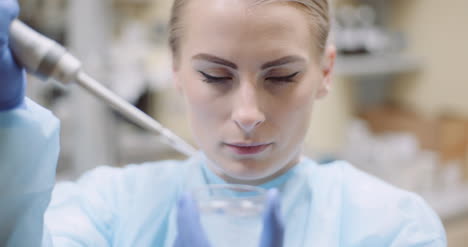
(231, 214)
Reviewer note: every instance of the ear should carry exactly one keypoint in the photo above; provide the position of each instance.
(327, 65)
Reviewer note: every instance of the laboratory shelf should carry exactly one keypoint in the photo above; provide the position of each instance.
(375, 64)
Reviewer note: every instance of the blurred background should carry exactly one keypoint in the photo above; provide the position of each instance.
(398, 108)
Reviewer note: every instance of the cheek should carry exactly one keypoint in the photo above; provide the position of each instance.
(300, 98)
(293, 113)
(204, 107)
(300, 111)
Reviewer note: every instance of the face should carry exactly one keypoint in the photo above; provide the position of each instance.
(250, 76)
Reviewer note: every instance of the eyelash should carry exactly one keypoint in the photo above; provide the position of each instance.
(281, 79)
(213, 79)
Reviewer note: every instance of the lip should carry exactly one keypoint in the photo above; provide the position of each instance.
(248, 148)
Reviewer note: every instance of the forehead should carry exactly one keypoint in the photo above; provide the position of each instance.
(235, 27)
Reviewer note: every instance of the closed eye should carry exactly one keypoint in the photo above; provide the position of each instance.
(213, 79)
(288, 78)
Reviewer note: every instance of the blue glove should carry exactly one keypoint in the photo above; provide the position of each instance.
(190, 232)
(12, 79)
(189, 229)
(273, 226)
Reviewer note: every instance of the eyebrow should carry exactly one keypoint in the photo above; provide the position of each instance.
(215, 59)
(277, 62)
(282, 61)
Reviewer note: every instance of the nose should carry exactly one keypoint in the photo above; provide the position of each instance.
(247, 113)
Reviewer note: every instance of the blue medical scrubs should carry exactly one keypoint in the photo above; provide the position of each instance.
(331, 205)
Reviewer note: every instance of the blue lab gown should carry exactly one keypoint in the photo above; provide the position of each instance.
(323, 205)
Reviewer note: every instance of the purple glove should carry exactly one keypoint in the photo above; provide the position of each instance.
(190, 231)
(273, 226)
(12, 79)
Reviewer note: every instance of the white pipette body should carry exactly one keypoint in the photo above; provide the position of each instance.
(45, 59)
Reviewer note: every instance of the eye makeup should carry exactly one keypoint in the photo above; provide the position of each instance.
(217, 70)
(288, 78)
(214, 79)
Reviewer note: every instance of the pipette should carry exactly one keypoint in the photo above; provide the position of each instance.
(46, 59)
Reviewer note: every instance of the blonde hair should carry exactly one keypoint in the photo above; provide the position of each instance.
(317, 9)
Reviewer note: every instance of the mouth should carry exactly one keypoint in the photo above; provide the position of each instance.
(248, 148)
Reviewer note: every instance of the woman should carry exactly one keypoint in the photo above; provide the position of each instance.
(249, 71)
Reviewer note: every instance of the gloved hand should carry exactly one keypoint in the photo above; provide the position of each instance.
(12, 79)
(190, 231)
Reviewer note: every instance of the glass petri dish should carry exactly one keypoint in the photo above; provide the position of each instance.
(231, 214)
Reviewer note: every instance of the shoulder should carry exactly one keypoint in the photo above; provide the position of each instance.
(120, 185)
(133, 176)
(362, 189)
(375, 212)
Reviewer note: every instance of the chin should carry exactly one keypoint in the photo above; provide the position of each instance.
(235, 170)
(247, 172)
